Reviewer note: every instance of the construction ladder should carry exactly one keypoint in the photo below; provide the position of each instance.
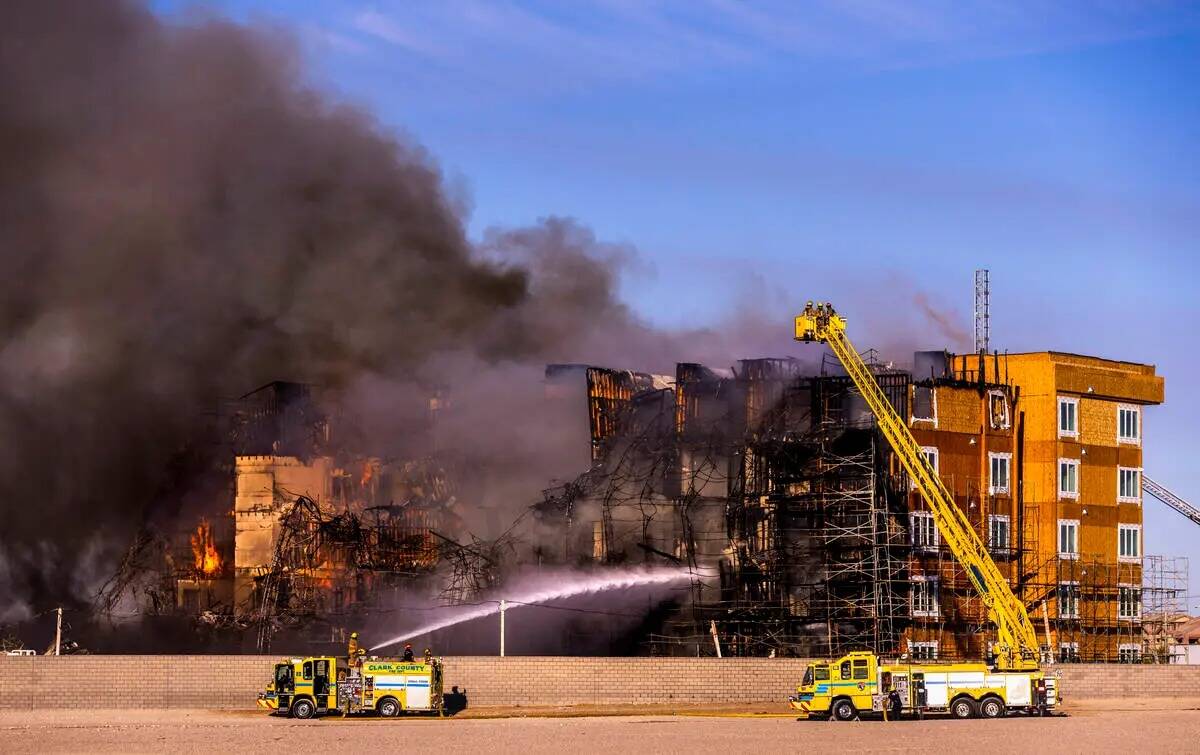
(1169, 498)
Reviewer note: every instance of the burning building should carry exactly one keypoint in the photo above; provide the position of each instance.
(769, 480)
(296, 532)
(776, 475)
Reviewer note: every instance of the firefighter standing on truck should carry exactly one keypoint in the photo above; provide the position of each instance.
(408, 652)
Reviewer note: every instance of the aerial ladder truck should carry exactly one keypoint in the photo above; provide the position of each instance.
(1011, 678)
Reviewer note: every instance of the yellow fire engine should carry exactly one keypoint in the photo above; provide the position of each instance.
(308, 687)
(860, 683)
(1011, 679)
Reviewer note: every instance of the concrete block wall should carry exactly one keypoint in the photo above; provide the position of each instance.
(582, 681)
(133, 681)
(1082, 681)
(234, 681)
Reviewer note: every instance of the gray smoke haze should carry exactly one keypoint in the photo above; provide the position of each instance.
(185, 218)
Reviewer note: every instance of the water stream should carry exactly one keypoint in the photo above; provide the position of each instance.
(562, 586)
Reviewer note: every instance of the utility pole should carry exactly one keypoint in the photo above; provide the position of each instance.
(58, 633)
(503, 608)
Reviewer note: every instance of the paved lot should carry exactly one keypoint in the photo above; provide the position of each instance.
(213, 731)
(209, 731)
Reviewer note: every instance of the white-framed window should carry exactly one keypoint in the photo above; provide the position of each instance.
(923, 651)
(924, 598)
(924, 531)
(999, 533)
(1068, 538)
(1129, 485)
(998, 410)
(1068, 652)
(924, 407)
(1129, 602)
(1068, 478)
(1129, 652)
(1129, 542)
(1068, 417)
(931, 456)
(1068, 600)
(1000, 477)
(1129, 424)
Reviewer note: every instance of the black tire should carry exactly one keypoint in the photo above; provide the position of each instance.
(991, 707)
(303, 709)
(963, 707)
(843, 710)
(388, 707)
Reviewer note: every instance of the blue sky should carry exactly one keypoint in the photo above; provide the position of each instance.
(762, 153)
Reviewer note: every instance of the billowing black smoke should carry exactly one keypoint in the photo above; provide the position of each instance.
(183, 218)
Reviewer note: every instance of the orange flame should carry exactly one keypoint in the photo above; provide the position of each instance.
(204, 550)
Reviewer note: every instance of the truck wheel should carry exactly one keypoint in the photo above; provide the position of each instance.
(303, 709)
(991, 707)
(843, 710)
(963, 707)
(388, 707)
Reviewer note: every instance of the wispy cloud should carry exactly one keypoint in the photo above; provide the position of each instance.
(552, 46)
(391, 30)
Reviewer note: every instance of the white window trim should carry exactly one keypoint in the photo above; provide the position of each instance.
(992, 489)
(1135, 441)
(1078, 599)
(925, 644)
(1135, 647)
(937, 458)
(1058, 537)
(1130, 559)
(1073, 495)
(1128, 586)
(932, 404)
(937, 604)
(937, 464)
(999, 517)
(1058, 417)
(1007, 422)
(937, 536)
(1138, 487)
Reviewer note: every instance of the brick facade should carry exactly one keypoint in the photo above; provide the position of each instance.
(235, 681)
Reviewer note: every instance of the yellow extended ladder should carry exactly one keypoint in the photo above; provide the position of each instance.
(1017, 641)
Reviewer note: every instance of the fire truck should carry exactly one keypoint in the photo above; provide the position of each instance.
(860, 683)
(357, 683)
(1011, 677)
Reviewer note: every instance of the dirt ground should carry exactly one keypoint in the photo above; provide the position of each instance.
(1146, 729)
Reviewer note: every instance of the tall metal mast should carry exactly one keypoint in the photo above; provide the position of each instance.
(983, 325)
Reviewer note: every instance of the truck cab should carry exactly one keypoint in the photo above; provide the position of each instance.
(839, 688)
(304, 687)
